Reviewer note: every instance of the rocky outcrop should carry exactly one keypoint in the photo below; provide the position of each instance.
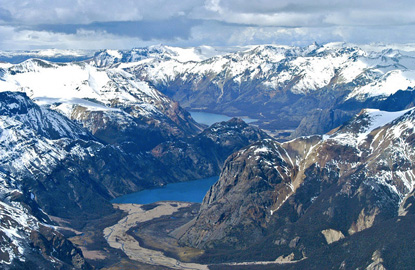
(274, 199)
(53, 245)
(204, 154)
(27, 243)
(321, 121)
(377, 262)
(332, 235)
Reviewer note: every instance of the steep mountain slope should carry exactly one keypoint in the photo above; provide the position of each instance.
(33, 142)
(110, 103)
(297, 200)
(62, 164)
(53, 171)
(27, 243)
(204, 154)
(280, 85)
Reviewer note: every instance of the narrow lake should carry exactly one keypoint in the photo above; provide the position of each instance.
(192, 191)
(211, 118)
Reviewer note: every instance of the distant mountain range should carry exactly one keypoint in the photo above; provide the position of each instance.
(299, 90)
(55, 55)
(279, 85)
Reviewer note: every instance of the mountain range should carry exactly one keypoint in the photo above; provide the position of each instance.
(284, 87)
(333, 171)
(337, 201)
(73, 137)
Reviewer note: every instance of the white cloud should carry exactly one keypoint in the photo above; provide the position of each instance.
(277, 19)
(306, 13)
(84, 12)
(82, 39)
(213, 5)
(73, 23)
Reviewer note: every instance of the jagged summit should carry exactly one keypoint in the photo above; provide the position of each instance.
(159, 52)
(367, 121)
(293, 200)
(282, 85)
(112, 95)
(265, 82)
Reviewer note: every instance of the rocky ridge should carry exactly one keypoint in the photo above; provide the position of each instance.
(313, 196)
(280, 85)
(33, 142)
(55, 169)
(204, 154)
(112, 104)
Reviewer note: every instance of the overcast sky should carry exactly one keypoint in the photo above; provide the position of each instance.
(124, 24)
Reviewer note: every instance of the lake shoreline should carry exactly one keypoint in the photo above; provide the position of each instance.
(189, 191)
(157, 248)
(207, 118)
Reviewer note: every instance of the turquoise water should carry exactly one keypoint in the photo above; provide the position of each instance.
(211, 118)
(192, 191)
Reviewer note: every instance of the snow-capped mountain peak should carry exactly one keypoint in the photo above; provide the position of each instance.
(156, 52)
(368, 120)
(54, 55)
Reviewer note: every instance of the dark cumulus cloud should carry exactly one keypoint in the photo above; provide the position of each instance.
(92, 24)
(167, 29)
(5, 15)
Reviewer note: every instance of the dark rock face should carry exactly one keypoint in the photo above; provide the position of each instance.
(53, 167)
(204, 154)
(28, 244)
(21, 108)
(237, 204)
(321, 121)
(300, 198)
(81, 188)
(139, 132)
(52, 243)
(68, 170)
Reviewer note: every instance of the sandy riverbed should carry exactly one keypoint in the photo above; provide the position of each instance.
(117, 236)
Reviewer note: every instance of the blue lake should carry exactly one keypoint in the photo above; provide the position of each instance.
(192, 191)
(211, 118)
